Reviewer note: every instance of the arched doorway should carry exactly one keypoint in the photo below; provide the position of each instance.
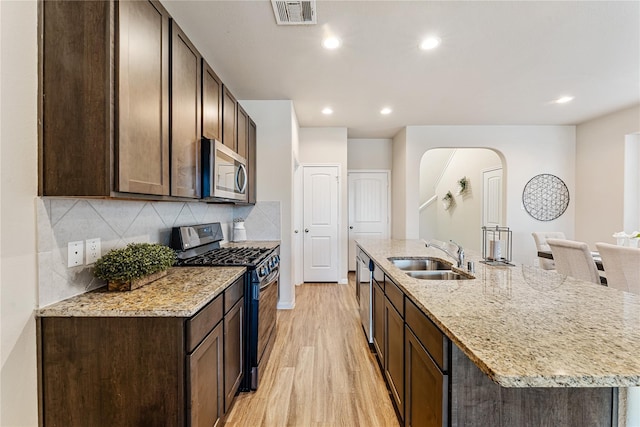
(462, 217)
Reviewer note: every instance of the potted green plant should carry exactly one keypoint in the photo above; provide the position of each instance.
(135, 265)
(463, 185)
(447, 200)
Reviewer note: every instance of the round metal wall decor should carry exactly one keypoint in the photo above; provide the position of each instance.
(545, 197)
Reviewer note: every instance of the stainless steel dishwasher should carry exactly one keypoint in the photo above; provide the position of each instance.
(364, 292)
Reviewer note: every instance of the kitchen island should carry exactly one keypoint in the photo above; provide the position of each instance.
(526, 345)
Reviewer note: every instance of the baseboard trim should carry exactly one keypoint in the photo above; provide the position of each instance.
(286, 305)
(344, 281)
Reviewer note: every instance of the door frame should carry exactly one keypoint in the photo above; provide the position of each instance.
(341, 220)
(388, 173)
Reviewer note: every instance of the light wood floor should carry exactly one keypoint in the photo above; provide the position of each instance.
(321, 372)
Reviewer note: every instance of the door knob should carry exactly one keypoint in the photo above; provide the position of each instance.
(306, 230)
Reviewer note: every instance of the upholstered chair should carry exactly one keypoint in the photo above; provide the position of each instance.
(622, 265)
(574, 259)
(540, 237)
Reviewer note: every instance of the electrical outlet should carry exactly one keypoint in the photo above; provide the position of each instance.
(93, 250)
(75, 254)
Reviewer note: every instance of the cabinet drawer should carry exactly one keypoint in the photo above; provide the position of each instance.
(233, 293)
(378, 274)
(380, 285)
(395, 295)
(428, 334)
(204, 321)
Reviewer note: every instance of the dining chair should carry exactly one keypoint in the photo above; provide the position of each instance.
(540, 237)
(574, 259)
(622, 265)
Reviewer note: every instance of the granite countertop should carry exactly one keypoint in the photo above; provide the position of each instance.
(181, 293)
(524, 326)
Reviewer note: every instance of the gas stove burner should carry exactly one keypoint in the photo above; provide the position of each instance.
(228, 256)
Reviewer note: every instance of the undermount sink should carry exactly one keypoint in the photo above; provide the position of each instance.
(420, 264)
(437, 275)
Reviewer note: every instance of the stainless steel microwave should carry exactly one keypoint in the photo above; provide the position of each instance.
(224, 172)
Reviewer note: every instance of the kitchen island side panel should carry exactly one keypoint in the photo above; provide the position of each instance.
(478, 401)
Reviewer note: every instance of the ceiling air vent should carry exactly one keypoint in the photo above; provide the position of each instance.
(294, 12)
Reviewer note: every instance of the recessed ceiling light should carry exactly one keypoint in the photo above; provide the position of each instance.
(331, 43)
(385, 111)
(430, 43)
(327, 111)
(563, 99)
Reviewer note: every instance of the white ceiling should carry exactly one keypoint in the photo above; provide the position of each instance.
(500, 63)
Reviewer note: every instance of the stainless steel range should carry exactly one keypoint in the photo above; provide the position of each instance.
(199, 245)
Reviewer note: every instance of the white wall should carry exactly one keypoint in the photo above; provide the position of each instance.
(526, 151)
(18, 188)
(631, 216)
(328, 145)
(599, 197)
(277, 141)
(399, 187)
(462, 222)
(369, 154)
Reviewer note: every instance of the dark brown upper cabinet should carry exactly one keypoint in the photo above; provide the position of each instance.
(186, 119)
(105, 69)
(242, 132)
(104, 111)
(142, 98)
(229, 119)
(125, 99)
(211, 103)
(251, 162)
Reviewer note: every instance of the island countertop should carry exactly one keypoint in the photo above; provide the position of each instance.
(524, 326)
(181, 293)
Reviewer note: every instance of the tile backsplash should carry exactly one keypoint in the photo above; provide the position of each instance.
(118, 223)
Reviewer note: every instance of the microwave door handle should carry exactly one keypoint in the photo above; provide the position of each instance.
(242, 169)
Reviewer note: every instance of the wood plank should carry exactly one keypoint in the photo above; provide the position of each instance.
(321, 371)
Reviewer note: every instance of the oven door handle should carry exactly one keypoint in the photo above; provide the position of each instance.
(270, 280)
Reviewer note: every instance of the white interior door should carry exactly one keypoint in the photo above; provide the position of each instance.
(368, 208)
(492, 198)
(320, 214)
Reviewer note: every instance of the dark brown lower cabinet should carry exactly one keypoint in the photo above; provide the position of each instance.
(142, 371)
(205, 384)
(394, 355)
(426, 403)
(233, 351)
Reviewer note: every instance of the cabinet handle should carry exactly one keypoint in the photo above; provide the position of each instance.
(306, 230)
(351, 227)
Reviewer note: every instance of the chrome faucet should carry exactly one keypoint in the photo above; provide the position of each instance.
(458, 256)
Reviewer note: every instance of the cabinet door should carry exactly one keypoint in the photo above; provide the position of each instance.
(229, 116)
(233, 352)
(378, 322)
(204, 370)
(186, 118)
(426, 386)
(211, 103)
(75, 154)
(243, 132)
(251, 161)
(143, 98)
(394, 354)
